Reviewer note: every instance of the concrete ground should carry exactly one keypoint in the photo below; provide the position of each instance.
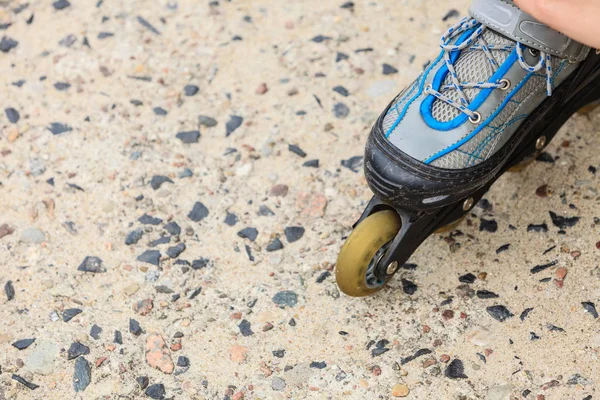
(165, 230)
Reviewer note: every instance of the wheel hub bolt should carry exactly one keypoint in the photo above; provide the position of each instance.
(468, 204)
(392, 268)
(540, 143)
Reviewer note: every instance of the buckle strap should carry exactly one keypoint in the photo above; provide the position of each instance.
(504, 17)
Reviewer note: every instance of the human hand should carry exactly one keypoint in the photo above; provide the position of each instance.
(578, 19)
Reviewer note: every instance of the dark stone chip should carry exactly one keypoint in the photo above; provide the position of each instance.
(554, 328)
(57, 128)
(69, 313)
(159, 241)
(389, 70)
(341, 56)
(77, 349)
(198, 213)
(499, 313)
(540, 268)
(297, 150)
(563, 222)
(468, 278)
(293, 233)
(409, 266)
(6, 44)
(134, 236)
(409, 287)
(147, 25)
(12, 115)
(163, 289)
(62, 86)
(502, 248)
(340, 110)
(354, 164)
(142, 382)
(61, 4)
(249, 253)
(157, 181)
(265, 211)
(245, 328)
(19, 83)
(318, 364)
(486, 294)
(525, 313)
(22, 381)
(537, 228)
(105, 35)
(156, 391)
(134, 327)
(450, 14)
(349, 5)
(545, 157)
(207, 121)
(320, 38)
(159, 111)
(455, 370)
(279, 353)
(95, 332)
(418, 354)
(231, 219)
(173, 228)
(4, 27)
(191, 90)
(9, 290)
(150, 257)
(592, 169)
(379, 351)
(591, 308)
(183, 362)
(92, 264)
(82, 376)
(200, 263)
(324, 275)
(485, 205)
(118, 339)
(488, 225)
(23, 343)
(274, 245)
(526, 393)
(195, 293)
(188, 137)
(311, 164)
(285, 298)
(533, 336)
(175, 251)
(248, 233)
(341, 90)
(235, 121)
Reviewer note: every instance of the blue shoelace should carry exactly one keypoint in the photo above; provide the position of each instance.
(477, 42)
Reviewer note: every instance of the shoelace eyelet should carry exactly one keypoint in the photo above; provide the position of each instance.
(506, 84)
(534, 52)
(475, 120)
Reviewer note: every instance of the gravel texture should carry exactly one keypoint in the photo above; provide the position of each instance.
(177, 178)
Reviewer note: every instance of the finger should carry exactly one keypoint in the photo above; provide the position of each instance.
(577, 19)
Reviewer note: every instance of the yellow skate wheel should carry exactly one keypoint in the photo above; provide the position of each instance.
(358, 257)
(520, 167)
(589, 108)
(451, 226)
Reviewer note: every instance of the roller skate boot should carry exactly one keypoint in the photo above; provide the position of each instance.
(495, 96)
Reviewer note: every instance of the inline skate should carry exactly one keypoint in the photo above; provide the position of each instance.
(496, 95)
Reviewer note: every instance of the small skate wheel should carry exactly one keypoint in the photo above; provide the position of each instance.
(521, 166)
(354, 271)
(451, 226)
(586, 110)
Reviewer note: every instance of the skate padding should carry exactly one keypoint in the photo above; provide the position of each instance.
(507, 19)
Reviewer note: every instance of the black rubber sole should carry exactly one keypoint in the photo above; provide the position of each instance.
(402, 181)
(388, 172)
